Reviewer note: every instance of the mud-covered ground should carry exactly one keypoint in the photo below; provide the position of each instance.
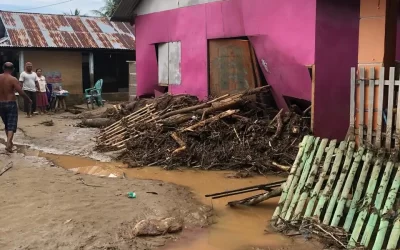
(46, 207)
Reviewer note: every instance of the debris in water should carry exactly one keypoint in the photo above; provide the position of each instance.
(334, 236)
(155, 227)
(265, 187)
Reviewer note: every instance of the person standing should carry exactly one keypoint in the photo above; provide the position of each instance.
(41, 96)
(30, 85)
(8, 104)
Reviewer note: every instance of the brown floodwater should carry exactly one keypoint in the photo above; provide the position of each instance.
(234, 228)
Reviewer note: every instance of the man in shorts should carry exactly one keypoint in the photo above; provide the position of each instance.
(8, 104)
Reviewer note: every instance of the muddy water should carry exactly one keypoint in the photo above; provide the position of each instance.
(234, 228)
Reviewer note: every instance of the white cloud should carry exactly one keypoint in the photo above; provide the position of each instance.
(85, 6)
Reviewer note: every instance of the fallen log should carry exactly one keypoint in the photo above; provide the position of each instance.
(176, 119)
(231, 102)
(209, 120)
(97, 122)
(186, 110)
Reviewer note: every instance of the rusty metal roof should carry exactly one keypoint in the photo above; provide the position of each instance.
(61, 31)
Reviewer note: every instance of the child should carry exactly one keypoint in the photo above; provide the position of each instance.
(41, 98)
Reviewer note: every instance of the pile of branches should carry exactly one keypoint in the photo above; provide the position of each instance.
(333, 236)
(232, 132)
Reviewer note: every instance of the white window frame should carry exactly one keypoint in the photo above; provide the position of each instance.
(169, 63)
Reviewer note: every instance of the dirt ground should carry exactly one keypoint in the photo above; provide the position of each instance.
(47, 207)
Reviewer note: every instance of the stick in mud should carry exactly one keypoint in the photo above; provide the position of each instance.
(6, 168)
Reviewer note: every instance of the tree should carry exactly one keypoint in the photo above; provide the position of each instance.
(76, 12)
(108, 9)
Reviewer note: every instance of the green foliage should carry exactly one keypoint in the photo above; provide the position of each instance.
(108, 9)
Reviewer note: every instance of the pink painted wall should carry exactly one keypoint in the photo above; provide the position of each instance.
(336, 51)
(282, 33)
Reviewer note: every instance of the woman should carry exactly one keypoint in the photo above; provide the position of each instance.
(41, 98)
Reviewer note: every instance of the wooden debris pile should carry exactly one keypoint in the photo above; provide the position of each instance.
(332, 236)
(229, 132)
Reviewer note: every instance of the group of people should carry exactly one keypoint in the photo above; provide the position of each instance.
(35, 87)
(31, 86)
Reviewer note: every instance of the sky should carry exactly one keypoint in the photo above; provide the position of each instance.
(85, 6)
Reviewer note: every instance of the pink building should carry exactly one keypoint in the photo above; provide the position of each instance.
(304, 49)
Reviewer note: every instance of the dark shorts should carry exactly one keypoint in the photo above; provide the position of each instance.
(9, 115)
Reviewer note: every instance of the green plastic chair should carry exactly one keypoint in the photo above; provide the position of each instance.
(93, 95)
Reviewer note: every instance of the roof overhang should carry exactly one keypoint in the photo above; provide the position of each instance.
(125, 11)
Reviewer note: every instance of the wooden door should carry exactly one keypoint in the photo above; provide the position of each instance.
(231, 67)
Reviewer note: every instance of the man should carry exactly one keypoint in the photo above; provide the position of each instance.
(30, 85)
(8, 104)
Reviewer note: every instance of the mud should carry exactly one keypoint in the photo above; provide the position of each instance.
(231, 229)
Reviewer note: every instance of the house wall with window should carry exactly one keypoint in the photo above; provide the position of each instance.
(283, 39)
(288, 38)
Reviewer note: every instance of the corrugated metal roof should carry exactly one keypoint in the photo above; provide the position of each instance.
(125, 11)
(58, 31)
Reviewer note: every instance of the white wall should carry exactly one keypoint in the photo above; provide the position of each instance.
(152, 6)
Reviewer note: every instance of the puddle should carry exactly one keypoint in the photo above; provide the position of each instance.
(235, 228)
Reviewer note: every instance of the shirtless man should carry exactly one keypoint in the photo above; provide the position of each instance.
(8, 104)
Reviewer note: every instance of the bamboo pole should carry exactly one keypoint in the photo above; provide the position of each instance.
(366, 203)
(317, 188)
(359, 189)
(121, 126)
(349, 182)
(339, 184)
(378, 203)
(296, 176)
(121, 142)
(117, 137)
(387, 209)
(132, 114)
(193, 108)
(302, 180)
(310, 180)
(332, 176)
(287, 184)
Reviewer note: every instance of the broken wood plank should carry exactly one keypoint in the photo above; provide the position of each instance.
(181, 143)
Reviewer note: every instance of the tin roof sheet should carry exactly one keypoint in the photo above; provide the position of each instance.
(59, 31)
(125, 10)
